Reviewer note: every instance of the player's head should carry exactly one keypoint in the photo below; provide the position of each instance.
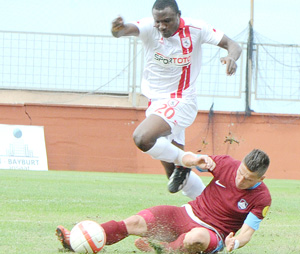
(166, 17)
(252, 169)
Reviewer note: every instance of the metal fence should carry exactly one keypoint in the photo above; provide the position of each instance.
(103, 64)
(58, 62)
(277, 74)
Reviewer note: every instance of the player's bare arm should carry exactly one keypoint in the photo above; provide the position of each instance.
(233, 242)
(119, 28)
(203, 161)
(234, 52)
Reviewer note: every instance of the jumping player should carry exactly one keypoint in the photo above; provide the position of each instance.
(173, 60)
(235, 199)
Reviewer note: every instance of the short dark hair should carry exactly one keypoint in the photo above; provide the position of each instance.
(162, 4)
(257, 161)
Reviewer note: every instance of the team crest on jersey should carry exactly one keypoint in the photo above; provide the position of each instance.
(242, 204)
(186, 42)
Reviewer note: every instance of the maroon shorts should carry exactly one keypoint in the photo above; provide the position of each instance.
(167, 223)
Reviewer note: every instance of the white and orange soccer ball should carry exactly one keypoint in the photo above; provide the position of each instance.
(87, 237)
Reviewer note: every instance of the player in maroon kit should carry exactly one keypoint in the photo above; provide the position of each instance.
(235, 199)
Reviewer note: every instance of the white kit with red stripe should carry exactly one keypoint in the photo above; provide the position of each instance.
(173, 64)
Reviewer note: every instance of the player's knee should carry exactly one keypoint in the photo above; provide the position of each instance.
(139, 141)
(196, 240)
(136, 225)
(142, 141)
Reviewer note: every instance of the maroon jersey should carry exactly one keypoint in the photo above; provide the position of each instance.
(224, 206)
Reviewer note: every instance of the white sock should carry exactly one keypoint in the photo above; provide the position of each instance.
(164, 150)
(194, 186)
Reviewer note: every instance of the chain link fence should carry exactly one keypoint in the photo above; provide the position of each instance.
(103, 64)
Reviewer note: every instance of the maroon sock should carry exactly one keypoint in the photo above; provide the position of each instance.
(115, 231)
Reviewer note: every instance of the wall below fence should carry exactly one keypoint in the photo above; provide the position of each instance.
(100, 138)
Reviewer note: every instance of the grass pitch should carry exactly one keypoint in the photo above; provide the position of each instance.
(32, 204)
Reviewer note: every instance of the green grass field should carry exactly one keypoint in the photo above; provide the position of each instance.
(32, 204)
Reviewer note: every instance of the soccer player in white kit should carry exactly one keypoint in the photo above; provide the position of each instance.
(173, 60)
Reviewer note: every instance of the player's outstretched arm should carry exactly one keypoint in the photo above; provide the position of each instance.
(203, 161)
(119, 28)
(234, 52)
(233, 242)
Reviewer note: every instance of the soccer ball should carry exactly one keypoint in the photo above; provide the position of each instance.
(87, 237)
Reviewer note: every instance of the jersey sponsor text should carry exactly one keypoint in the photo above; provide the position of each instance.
(171, 61)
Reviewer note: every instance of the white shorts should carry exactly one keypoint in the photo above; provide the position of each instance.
(178, 113)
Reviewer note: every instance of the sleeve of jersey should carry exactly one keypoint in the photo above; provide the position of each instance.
(258, 213)
(252, 221)
(145, 27)
(211, 35)
(216, 160)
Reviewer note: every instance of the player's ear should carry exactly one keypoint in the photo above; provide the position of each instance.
(262, 178)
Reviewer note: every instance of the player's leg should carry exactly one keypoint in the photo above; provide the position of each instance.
(197, 240)
(179, 234)
(149, 130)
(159, 227)
(193, 186)
(180, 174)
(118, 230)
(170, 166)
(201, 239)
(150, 137)
(149, 134)
(115, 230)
(183, 178)
(151, 223)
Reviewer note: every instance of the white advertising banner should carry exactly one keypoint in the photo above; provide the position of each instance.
(22, 147)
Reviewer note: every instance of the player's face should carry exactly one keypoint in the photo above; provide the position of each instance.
(166, 21)
(245, 179)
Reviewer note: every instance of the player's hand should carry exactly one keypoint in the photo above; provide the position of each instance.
(231, 65)
(117, 25)
(205, 162)
(202, 161)
(229, 242)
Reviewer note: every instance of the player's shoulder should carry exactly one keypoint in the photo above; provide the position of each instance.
(147, 21)
(145, 26)
(262, 195)
(196, 23)
(265, 189)
(224, 164)
(224, 159)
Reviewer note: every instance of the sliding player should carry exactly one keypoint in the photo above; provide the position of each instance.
(235, 200)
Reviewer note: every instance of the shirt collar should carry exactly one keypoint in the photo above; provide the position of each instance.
(181, 26)
(256, 185)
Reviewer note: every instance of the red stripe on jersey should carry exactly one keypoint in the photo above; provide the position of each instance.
(181, 82)
(188, 77)
(184, 82)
